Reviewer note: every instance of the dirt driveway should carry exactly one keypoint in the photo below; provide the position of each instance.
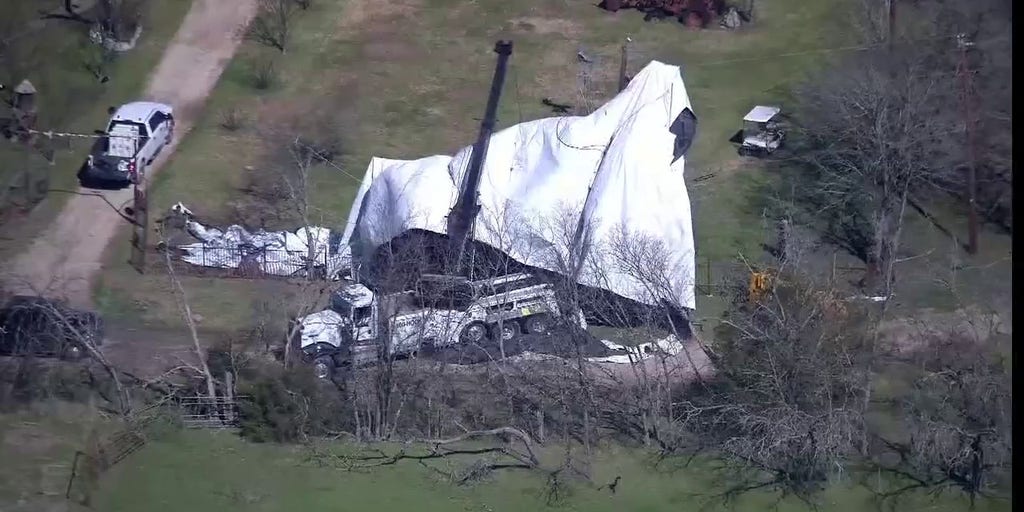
(65, 259)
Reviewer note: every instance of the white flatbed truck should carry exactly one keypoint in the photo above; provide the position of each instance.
(361, 326)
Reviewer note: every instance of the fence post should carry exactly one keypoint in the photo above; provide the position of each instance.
(833, 269)
(229, 392)
(707, 262)
(74, 473)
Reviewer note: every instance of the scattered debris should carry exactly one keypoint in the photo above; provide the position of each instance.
(731, 20)
(693, 13)
(279, 253)
(557, 108)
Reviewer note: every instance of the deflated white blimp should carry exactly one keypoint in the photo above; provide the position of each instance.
(600, 196)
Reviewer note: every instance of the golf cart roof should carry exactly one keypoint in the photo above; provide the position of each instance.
(761, 114)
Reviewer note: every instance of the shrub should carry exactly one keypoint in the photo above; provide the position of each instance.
(264, 74)
(289, 406)
(232, 119)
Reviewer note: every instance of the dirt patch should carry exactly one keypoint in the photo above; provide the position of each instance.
(908, 334)
(547, 26)
(358, 13)
(390, 48)
(27, 439)
(148, 352)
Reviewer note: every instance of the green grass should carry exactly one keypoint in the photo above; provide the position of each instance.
(203, 471)
(413, 76)
(70, 99)
(37, 447)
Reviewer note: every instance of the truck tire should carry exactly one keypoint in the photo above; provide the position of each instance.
(506, 331)
(323, 367)
(475, 332)
(538, 324)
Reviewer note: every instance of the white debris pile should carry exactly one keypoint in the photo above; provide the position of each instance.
(669, 346)
(622, 354)
(279, 253)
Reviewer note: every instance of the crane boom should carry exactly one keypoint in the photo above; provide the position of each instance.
(460, 219)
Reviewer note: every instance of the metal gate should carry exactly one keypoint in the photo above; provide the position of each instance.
(206, 412)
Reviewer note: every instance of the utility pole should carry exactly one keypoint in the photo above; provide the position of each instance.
(140, 225)
(624, 61)
(890, 24)
(462, 216)
(966, 77)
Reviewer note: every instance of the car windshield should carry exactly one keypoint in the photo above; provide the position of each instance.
(361, 316)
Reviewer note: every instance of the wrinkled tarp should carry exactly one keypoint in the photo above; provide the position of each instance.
(276, 253)
(618, 170)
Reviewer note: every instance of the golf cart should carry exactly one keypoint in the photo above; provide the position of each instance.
(760, 135)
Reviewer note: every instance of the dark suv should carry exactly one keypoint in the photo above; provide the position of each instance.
(47, 328)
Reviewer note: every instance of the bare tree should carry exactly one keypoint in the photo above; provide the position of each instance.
(79, 329)
(957, 420)
(120, 19)
(786, 407)
(198, 349)
(886, 127)
(272, 24)
(871, 128)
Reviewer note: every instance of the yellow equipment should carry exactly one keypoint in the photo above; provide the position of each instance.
(760, 283)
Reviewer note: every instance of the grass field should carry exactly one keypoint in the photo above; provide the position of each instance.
(216, 470)
(38, 446)
(201, 471)
(51, 54)
(412, 77)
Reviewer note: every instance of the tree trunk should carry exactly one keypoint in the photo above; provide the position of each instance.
(888, 225)
(190, 321)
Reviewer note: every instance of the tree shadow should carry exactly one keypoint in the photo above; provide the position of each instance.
(795, 194)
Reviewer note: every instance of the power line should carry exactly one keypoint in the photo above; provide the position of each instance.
(51, 134)
(837, 49)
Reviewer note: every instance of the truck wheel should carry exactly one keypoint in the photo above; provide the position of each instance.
(538, 324)
(323, 367)
(506, 331)
(475, 332)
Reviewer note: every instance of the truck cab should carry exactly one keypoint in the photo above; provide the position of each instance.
(441, 311)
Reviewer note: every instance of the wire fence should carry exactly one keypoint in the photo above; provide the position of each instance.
(244, 262)
(205, 412)
(89, 464)
(100, 455)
